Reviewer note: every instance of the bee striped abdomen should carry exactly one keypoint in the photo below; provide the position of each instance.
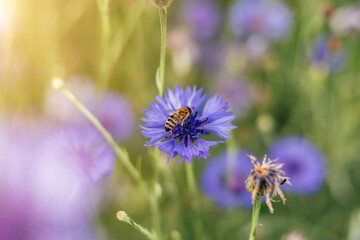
(172, 121)
(178, 117)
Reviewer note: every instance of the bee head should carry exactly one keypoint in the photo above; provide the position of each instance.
(190, 110)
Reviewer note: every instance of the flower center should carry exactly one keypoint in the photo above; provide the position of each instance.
(292, 168)
(190, 128)
(235, 183)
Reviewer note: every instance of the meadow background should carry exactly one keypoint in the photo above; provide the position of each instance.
(300, 79)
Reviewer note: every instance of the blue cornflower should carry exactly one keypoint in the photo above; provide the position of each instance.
(237, 92)
(86, 152)
(115, 113)
(303, 162)
(203, 17)
(185, 140)
(38, 187)
(327, 52)
(223, 180)
(269, 19)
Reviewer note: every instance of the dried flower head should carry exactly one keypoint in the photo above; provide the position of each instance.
(161, 3)
(265, 178)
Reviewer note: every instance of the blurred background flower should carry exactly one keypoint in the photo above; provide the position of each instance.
(204, 18)
(115, 113)
(113, 110)
(304, 164)
(223, 180)
(268, 19)
(38, 197)
(328, 54)
(346, 20)
(237, 92)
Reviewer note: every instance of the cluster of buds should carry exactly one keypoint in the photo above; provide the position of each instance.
(264, 178)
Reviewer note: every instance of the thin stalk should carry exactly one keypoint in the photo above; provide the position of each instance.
(6, 60)
(190, 178)
(160, 82)
(255, 217)
(122, 36)
(119, 151)
(105, 39)
(122, 216)
(160, 74)
(154, 202)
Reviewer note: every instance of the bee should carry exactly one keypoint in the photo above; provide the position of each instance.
(283, 181)
(178, 117)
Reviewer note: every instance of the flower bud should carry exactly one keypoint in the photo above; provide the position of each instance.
(57, 83)
(161, 3)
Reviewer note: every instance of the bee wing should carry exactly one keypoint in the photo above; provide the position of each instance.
(170, 111)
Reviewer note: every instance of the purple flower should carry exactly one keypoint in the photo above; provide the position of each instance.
(61, 109)
(327, 53)
(85, 151)
(204, 18)
(236, 92)
(37, 197)
(210, 56)
(115, 114)
(211, 117)
(270, 19)
(223, 180)
(114, 111)
(304, 164)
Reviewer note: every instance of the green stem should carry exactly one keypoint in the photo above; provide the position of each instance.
(122, 216)
(255, 217)
(160, 74)
(190, 178)
(105, 39)
(119, 151)
(160, 82)
(154, 202)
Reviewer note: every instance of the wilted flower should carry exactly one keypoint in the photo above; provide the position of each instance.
(264, 178)
(223, 180)
(185, 139)
(346, 20)
(203, 17)
(327, 52)
(269, 19)
(303, 163)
